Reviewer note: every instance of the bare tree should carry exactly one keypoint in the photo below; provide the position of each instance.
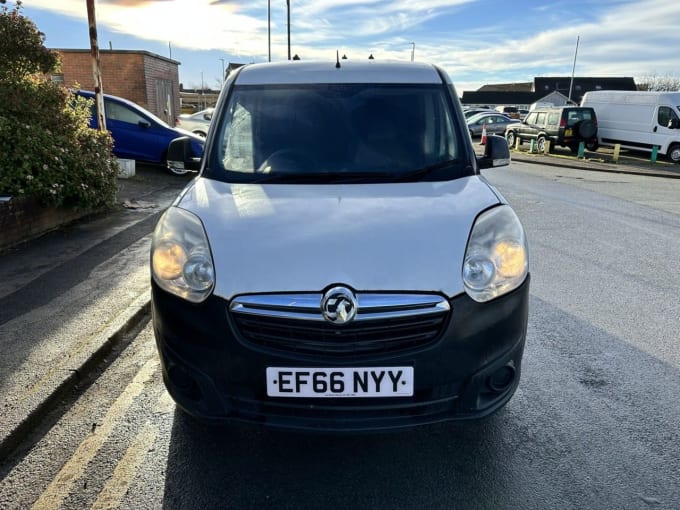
(654, 82)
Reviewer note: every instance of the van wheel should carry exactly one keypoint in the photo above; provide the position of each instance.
(510, 138)
(592, 146)
(674, 153)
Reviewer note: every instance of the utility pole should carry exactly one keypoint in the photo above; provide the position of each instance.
(202, 103)
(96, 73)
(222, 79)
(571, 83)
(413, 51)
(288, 9)
(269, 28)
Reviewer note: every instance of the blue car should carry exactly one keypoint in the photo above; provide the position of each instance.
(138, 134)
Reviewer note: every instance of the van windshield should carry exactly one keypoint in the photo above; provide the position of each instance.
(330, 132)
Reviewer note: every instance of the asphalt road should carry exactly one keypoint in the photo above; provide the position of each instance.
(593, 425)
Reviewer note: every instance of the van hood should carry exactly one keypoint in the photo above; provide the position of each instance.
(371, 237)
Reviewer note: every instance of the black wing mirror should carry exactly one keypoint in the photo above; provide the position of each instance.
(496, 153)
(181, 155)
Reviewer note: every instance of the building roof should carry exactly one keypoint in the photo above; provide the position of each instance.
(512, 93)
(119, 52)
(498, 97)
(508, 87)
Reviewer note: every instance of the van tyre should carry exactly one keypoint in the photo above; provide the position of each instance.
(674, 153)
(592, 146)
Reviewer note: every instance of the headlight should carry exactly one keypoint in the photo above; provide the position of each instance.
(180, 256)
(497, 256)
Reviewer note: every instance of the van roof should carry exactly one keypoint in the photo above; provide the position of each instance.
(640, 97)
(370, 71)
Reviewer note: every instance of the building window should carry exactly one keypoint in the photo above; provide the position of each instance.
(57, 78)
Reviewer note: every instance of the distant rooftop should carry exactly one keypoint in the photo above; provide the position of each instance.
(525, 93)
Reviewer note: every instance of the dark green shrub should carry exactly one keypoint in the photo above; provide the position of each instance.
(47, 150)
(22, 52)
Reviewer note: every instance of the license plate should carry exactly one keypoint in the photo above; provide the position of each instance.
(567, 132)
(340, 382)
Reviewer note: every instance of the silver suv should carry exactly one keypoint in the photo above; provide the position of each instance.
(339, 263)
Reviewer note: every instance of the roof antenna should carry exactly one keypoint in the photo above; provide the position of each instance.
(337, 59)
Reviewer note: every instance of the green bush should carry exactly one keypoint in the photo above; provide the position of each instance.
(47, 150)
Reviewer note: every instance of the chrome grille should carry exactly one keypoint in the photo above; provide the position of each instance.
(384, 323)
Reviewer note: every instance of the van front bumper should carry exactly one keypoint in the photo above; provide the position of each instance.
(469, 371)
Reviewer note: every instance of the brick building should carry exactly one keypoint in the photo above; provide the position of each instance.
(150, 80)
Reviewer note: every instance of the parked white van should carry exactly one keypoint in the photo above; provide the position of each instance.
(339, 263)
(638, 120)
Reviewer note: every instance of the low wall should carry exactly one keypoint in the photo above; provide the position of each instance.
(22, 219)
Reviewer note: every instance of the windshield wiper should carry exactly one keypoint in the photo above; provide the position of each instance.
(322, 177)
(422, 172)
(340, 177)
(353, 176)
(278, 177)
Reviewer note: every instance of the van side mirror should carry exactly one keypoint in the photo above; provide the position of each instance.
(674, 124)
(181, 155)
(496, 153)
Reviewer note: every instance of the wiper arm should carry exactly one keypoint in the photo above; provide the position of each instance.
(349, 177)
(321, 177)
(278, 177)
(422, 172)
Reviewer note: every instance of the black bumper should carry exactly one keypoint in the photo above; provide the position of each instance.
(470, 371)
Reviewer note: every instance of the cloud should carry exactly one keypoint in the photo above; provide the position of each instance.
(131, 3)
(617, 37)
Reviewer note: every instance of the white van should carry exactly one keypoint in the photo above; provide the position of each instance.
(638, 120)
(339, 263)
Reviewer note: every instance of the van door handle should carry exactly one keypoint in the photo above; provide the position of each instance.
(655, 128)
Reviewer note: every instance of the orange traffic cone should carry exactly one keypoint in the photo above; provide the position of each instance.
(483, 140)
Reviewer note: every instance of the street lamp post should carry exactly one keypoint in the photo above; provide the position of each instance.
(288, 9)
(222, 79)
(202, 101)
(571, 83)
(413, 51)
(269, 28)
